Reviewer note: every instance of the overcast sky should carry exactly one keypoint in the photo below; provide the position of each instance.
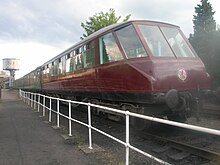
(35, 31)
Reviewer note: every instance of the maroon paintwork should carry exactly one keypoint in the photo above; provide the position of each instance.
(144, 75)
(136, 75)
(166, 75)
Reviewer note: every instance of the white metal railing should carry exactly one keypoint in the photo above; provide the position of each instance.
(34, 98)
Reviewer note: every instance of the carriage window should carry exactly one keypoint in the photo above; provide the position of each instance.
(44, 70)
(47, 70)
(63, 64)
(109, 50)
(130, 42)
(55, 67)
(78, 60)
(156, 41)
(177, 42)
(51, 67)
(89, 55)
(69, 63)
(60, 67)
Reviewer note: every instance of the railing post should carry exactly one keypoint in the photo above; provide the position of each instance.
(34, 100)
(44, 106)
(32, 103)
(70, 122)
(20, 93)
(21, 96)
(38, 101)
(58, 112)
(50, 111)
(29, 98)
(89, 126)
(127, 137)
(26, 98)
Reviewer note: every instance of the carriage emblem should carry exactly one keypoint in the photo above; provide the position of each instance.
(182, 74)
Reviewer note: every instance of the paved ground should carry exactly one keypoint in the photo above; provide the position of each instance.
(26, 140)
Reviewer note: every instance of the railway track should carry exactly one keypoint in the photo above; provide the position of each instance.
(211, 110)
(179, 146)
(188, 148)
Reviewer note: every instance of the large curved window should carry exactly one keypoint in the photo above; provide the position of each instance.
(156, 41)
(130, 42)
(177, 42)
(109, 50)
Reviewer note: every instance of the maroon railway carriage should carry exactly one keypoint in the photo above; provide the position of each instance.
(135, 65)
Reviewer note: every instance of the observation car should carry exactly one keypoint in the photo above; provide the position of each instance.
(143, 66)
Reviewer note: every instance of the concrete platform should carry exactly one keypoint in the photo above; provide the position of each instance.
(9, 95)
(95, 148)
(26, 140)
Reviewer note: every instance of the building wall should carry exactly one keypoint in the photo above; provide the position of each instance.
(4, 79)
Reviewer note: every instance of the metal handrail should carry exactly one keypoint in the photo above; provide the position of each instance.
(31, 98)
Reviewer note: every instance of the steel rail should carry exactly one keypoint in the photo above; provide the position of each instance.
(201, 152)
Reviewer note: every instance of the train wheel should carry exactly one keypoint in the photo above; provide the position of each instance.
(137, 123)
(178, 118)
(94, 110)
(140, 124)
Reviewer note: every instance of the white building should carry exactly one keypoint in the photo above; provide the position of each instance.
(4, 79)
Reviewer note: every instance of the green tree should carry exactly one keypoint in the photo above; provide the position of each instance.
(101, 20)
(204, 24)
(215, 59)
(203, 20)
(205, 39)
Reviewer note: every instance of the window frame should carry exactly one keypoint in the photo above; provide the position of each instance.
(138, 37)
(90, 49)
(116, 45)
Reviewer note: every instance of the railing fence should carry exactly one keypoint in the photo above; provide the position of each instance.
(34, 98)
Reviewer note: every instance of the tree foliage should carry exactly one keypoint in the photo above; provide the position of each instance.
(203, 20)
(101, 20)
(206, 39)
